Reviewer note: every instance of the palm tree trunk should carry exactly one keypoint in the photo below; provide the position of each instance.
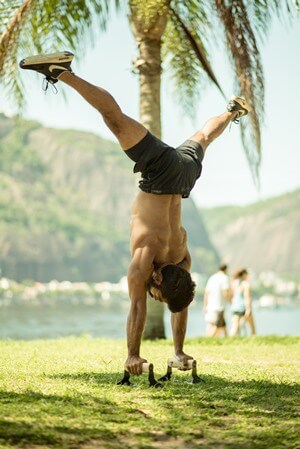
(148, 65)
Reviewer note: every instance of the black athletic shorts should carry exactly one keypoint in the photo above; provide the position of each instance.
(166, 170)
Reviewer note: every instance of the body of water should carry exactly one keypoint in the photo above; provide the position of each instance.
(43, 321)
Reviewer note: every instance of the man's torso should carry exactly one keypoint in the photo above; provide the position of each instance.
(156, 223)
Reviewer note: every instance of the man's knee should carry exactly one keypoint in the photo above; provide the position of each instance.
(202, 138)
(115, 122)
(205, 140)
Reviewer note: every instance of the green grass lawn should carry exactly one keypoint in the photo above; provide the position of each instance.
(63, 394)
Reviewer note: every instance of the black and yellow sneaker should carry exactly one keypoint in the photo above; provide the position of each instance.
(239, 105)
(51, 65)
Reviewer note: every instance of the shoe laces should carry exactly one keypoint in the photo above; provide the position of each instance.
(45, 85)
(236, 121)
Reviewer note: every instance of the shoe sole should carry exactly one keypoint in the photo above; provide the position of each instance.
(242, 102)
(54, 58)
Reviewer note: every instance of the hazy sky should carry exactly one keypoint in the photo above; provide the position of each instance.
(226, 177)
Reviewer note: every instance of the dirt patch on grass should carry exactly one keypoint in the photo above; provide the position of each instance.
(154, 440)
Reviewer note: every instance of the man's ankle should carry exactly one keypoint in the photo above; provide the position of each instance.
(65, 76)
(233, 115)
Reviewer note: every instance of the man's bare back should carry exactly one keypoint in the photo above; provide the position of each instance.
(156, 223)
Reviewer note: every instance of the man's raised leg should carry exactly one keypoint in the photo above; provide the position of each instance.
(237, 107)
(57, 66)
(213, 129)
(127, 130)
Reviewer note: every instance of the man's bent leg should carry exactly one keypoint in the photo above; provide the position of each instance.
(213, 129)
(127, 130)
(211, 330)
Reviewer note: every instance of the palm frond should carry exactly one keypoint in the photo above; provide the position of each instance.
(198, 48)
(35, 26)
(282, 8)
(12, 17)
(246, 59)
(182, 64)
(185, 50)
(11, 27)
(262, 12)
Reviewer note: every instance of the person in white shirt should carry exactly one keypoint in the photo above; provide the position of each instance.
(217, 292)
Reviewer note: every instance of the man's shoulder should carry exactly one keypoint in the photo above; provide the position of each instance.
(224, 276)
(221, 275)
(218, 278)
(214, 277)
(141, 265)
(224, 281)
(145, 243)
(211, 280)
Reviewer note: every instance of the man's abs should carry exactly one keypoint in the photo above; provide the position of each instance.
(156, 222)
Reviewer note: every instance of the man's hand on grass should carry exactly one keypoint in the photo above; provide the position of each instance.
(134, 364)
(184, 358)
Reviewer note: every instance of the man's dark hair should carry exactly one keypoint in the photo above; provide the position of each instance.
(223, 267)
(177, 287)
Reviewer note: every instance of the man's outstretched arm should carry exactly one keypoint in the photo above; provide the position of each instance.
(179, 324)
(179, 321)
(139, 273)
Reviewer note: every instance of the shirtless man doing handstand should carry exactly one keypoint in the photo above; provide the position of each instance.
(160, 258)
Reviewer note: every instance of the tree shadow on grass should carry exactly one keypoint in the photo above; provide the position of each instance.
(34, 418)
(262, 394)
(206, 411)
(22, 434)
(259, 395)
(91, 377)
(259, 401)
(233, 414)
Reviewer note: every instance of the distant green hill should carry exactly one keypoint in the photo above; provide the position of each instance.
(65, 199)
(264, 235)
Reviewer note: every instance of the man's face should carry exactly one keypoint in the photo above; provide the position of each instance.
(153, 286)
(156, 293)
